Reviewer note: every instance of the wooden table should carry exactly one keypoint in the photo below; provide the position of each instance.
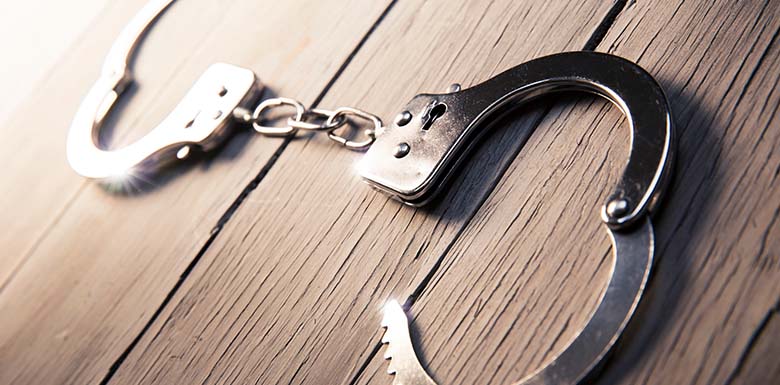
(269, 261)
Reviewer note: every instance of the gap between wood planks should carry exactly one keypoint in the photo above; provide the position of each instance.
(49, 226)
(593, 41)
(747, 353)
(596, 37)
(758, 333)
(61, 212)
(240, 199)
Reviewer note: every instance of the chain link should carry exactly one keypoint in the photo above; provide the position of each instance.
(314, 120)
(310, 117)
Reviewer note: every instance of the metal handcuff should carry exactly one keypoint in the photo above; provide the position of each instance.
(412, 158)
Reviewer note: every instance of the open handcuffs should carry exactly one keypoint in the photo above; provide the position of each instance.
(412, 158)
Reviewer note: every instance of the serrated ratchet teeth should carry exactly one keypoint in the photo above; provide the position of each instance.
(388, 354)
(399, 350)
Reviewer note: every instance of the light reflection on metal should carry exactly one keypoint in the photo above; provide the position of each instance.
(437, 142)
(413, 158)
(632, 258)
(201, 120)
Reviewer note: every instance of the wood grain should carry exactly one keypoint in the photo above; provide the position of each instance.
(525, 274)
(37, 163)
(291, 290)
(34, 35)
(174, 281)
(91, 266)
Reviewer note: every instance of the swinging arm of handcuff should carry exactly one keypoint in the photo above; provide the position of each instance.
(413, 157)
(201, 119)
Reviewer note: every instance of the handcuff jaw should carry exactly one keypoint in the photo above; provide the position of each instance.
(438, 130)
(200, 121)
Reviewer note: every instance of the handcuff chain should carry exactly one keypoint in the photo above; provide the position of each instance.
(311, 119)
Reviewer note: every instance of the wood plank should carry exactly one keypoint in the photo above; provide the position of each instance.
(290, 291)
(48, 185)
(38, 36)
(37, 33)
(98, 264)
(28, 203)
(528, 270)
(719, 236)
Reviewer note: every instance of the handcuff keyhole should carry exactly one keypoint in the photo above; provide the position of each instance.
(436, 112)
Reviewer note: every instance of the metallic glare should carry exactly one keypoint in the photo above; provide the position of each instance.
(632, 258)
(222, 87)
(442, 140)
(442, 144)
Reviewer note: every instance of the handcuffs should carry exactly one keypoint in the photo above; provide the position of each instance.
(412, 158)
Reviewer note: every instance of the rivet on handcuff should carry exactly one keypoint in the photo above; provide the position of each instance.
(412, 158)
